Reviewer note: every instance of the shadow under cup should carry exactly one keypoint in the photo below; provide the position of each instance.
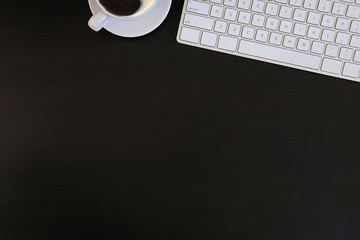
(121, 7)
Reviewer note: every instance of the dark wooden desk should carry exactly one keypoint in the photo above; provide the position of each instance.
(103, 137)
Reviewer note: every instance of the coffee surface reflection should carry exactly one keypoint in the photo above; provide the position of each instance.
(121, 7)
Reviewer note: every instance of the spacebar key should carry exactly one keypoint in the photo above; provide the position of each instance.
(279, 54)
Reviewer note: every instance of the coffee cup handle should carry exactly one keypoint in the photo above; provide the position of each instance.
(98, 20)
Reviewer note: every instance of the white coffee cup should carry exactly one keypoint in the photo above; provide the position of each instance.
(102, 16)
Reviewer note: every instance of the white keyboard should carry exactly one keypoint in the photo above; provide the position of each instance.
(319, 36)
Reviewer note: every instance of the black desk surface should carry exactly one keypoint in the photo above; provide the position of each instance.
(104, 137)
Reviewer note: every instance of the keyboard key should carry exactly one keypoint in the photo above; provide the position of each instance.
(353, 11)
(216, 11)
(248, 32)
(355, 41)
(190, 35)
(328, 35)
(331, 66)
(230, 3)
(303, 44)
(258, 20)
(313, 18)
(342, 38)
(355, 27)
(220, 26)
(328, 21)
(289, 41)
(279, 54)
(275, 38)
(296, 3)
(272, 23)
(208, 39)
(314, 32)
(198, 7)
(338, 8)
(262, 35)
(227, 43)
(310, 4)
(234, 29)
(331, 50)
(198, 21)
(258, 6)
(346, 53)
(244, 17)
(324, 6)
(342, 24)
(285, 12)
(351, 70)
(244, 4)
(317, 47)
(285, 26)
(230, 14)
(299, 15)
(272, 9)
(300, 29)
(357, 56)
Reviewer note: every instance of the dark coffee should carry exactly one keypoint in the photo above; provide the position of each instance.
(121, 7)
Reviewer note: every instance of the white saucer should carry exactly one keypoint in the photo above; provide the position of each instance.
(138, 26)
